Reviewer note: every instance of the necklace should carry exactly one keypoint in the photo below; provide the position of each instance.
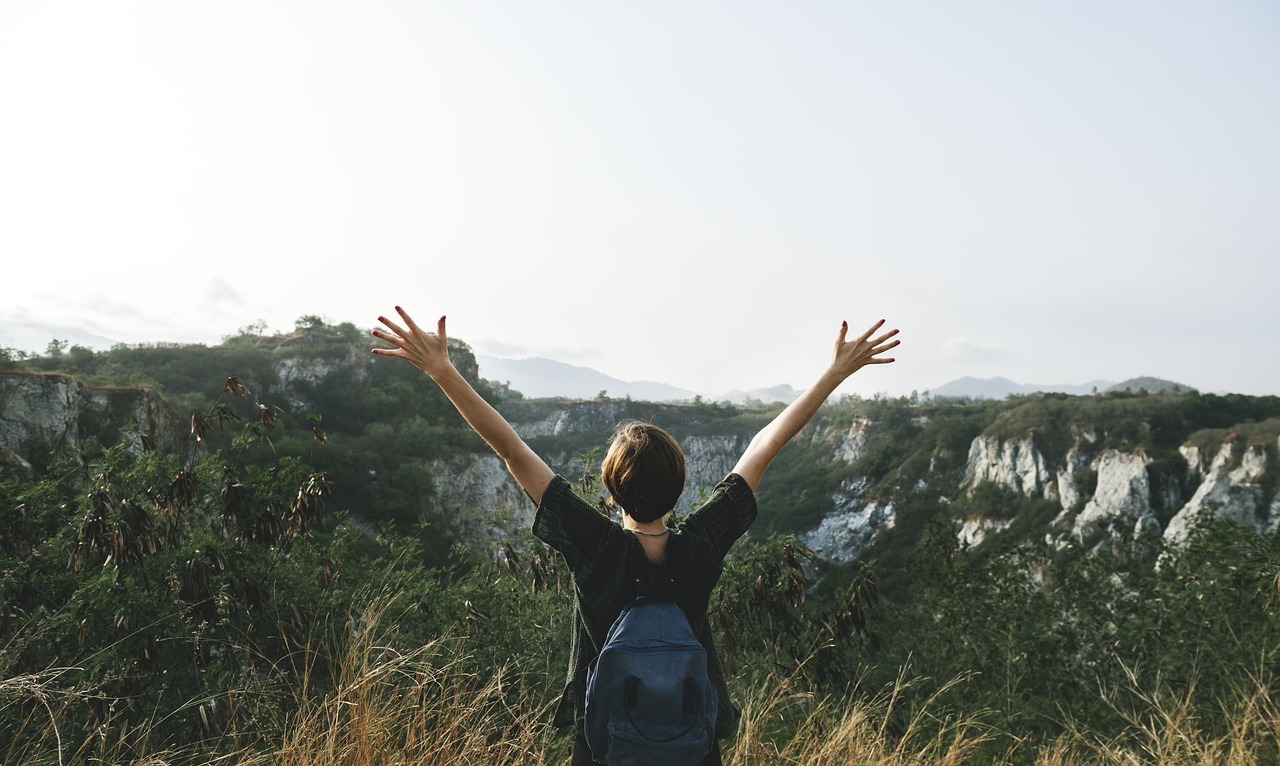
(651, 534)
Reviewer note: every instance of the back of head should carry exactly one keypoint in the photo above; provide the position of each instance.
(643, 470)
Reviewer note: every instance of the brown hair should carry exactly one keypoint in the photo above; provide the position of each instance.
(643, 470)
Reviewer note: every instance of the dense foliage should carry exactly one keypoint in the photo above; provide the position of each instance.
(150, 605)
(156, 602)
(380, 422)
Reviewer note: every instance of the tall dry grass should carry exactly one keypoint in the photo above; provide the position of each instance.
(781, 725)
(431, 705)
(425, 706)
(1165, 728)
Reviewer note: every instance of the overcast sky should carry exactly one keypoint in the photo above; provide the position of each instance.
(690, 192)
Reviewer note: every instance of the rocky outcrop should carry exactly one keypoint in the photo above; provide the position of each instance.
(1230, 487)
(478, 499)
(534, 420)
(43, 416)
(1229, 483)
(1014, 464)
(39, 414)
(854, 441)
(972, 532)
(1069, 491)
(844, 533)
(1121, 504)
(708, 459)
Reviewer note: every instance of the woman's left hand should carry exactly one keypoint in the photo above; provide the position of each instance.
(428, 351)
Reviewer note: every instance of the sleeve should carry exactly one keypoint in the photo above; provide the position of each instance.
(571, 525)
(726, 515)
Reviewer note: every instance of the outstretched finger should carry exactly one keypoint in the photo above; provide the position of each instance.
(387, 337)
(408, 320)
(440, 331)
(882, 338)
(863, 337)
(883, 347)
(395, 328)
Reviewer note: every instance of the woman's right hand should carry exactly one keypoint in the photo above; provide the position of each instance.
(850, 356)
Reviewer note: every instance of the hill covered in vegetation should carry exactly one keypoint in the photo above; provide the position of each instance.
(197, 540)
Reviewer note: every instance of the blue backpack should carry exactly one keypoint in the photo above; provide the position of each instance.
(649, 698)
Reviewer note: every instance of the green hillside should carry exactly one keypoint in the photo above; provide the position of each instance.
(196, 603)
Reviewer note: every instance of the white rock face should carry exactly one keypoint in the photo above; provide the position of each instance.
(1227, 492)
(39, 412)
(571, 418)
(842, 535)
(971, 532)
(1123, 497)
(853, 443)
(307, 370)
(1014, 464)
(41, 415)
(708, 459)
(1076, 461)
(477, 496)
(1197, 462)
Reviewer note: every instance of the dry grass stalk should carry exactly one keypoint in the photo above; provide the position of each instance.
(423, 707)
(781, 725)
(389, 707)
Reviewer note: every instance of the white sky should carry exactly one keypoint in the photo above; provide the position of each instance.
(689, 192)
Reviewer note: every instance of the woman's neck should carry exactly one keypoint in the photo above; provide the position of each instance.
(653, 528)
(652, 536)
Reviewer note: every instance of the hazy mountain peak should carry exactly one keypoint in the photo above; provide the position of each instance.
(540, 378)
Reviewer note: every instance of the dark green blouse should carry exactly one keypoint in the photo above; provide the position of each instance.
(596, 549)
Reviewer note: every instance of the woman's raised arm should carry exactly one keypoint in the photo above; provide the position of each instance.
(429, 352)
(847, 358)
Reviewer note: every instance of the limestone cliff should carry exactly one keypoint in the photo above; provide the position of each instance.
(1105, 494)
(1014, 464)
(1121, 504)
(43, 416)
(1226, 481)
(1229, 486)
(1094, 470)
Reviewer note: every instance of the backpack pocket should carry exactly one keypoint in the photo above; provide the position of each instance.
(683, 744)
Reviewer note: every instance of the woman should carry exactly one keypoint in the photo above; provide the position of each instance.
(644, 472)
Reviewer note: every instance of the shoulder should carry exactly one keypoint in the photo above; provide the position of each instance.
(734, 490)
(732, 495)
(725, 515)
(559, 494)
(566, 521)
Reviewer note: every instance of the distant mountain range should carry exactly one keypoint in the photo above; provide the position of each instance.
(539, 378)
